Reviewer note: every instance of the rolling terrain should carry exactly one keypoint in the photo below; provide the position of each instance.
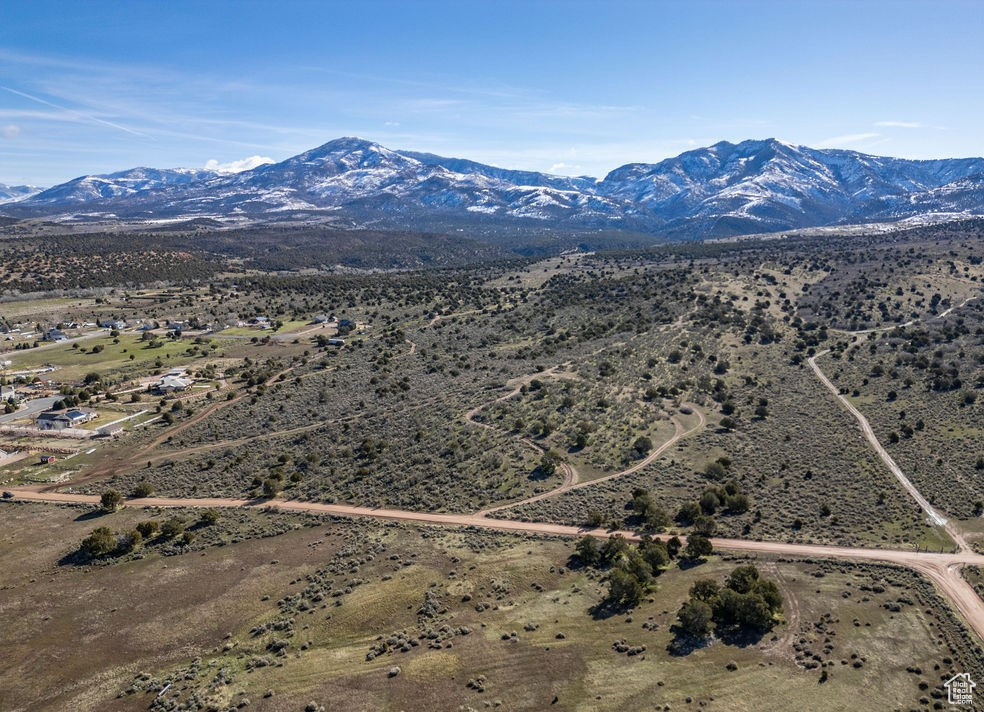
(504, 484)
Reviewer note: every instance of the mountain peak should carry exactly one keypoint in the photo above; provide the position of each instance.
(756, 185)
(353, 142)
(345, 144)
(342, 154)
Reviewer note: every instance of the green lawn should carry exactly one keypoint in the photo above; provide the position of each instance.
(75, 363)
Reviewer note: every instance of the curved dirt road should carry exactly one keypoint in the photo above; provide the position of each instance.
(570, 472)
(679, 434)
(942, 569)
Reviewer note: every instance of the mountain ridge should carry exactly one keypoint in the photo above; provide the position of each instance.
(725, 189)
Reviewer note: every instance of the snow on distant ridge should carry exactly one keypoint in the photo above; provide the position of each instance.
(725, 189)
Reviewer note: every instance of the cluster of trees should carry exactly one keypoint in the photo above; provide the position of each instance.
(653, 516)
(69, 262)
(725, 499)
(746, 603)
(104, 542)
(633, 569)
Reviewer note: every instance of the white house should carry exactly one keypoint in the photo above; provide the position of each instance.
(171, 384)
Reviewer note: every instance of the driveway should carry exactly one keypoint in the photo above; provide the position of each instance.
(30, 408)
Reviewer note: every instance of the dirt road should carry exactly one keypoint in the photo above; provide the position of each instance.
(570, 472)
(931, 512)
(892, 327)
(574, 484)
(124, 460)
(942, 569)
(869, 434)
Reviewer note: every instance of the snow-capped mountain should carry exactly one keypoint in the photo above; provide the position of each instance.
(724, 189)
(13, 193)
(371, 183)
(87, 189)
(758, 186)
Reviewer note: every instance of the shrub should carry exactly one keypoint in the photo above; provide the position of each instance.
(110, 500)
(655, 554)
(143, 489)
(697, 548)
(148, 529)
(271, 487)
(742, 579)
(101, 542)
(588, 551)
(624, 589)
(172, 528)
(705, 590)
(129, 541)
(689, 511)
(704, 525)
(613, 548)
(673, 546)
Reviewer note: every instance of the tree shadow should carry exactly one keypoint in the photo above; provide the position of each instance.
(740, 637)
(74, 558)
(687, 564)
(684, 644)
(575, 563)
(605, 609)
(94, 514)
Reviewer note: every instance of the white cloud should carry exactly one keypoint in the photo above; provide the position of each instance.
(900, 124)
(846, 140)
(245, 164)
(565, 169)
(10, 131)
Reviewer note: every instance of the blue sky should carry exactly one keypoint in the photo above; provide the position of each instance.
(567, 87)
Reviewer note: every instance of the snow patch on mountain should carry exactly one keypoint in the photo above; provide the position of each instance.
(724, 189)
(14, 193)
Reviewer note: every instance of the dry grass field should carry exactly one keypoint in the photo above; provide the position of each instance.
(484, 618)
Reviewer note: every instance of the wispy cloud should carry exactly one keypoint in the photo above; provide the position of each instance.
(10, 131)
(900, 124)
(79, 114)
(245, 164)
(846, 140)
